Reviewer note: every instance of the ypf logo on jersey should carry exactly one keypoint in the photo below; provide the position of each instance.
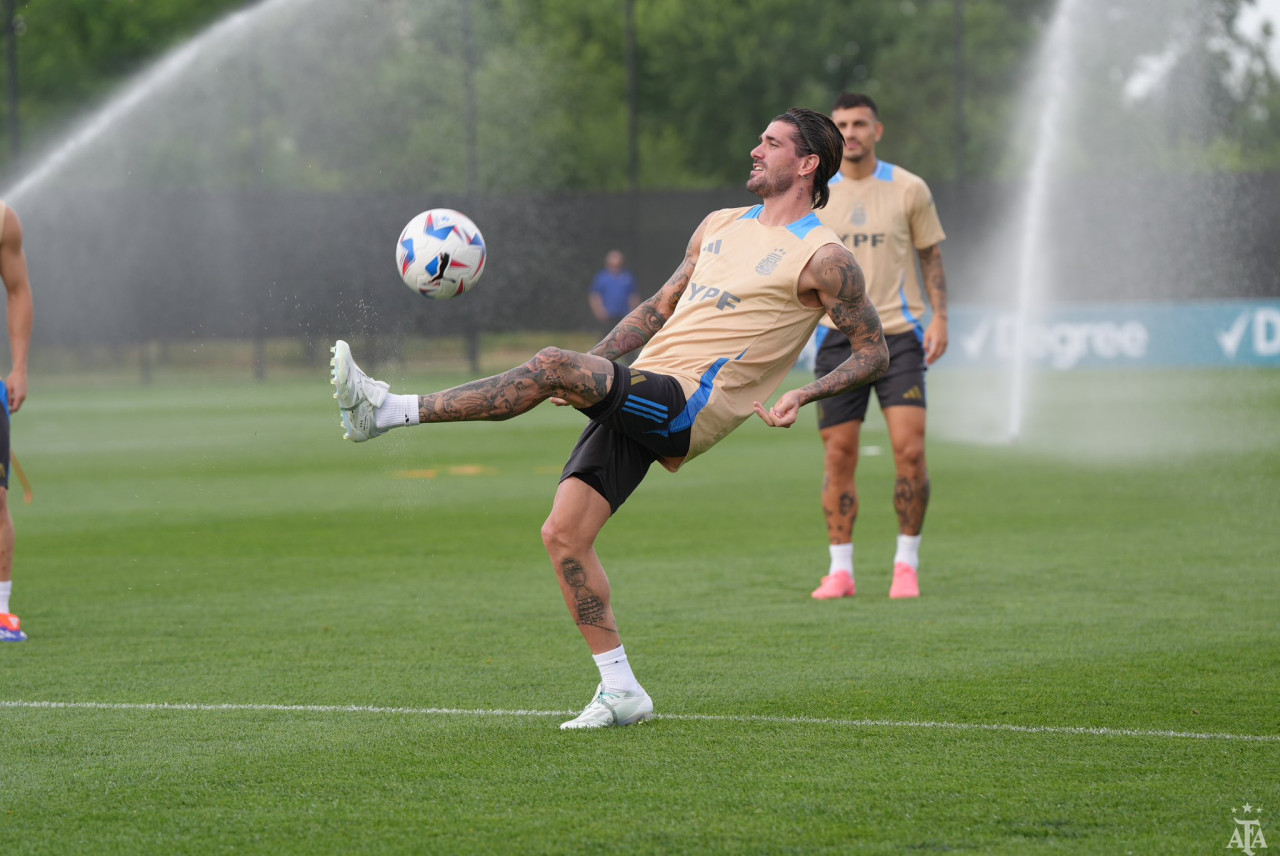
(1247, 836)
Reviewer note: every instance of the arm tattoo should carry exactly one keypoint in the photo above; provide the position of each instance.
(646, 319)
(632, 332)
(854, 316)
(935, 279)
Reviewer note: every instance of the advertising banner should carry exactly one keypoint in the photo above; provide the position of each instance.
(1120, 335)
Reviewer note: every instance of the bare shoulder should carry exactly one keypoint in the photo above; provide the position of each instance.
(834, 272)
(11, 230)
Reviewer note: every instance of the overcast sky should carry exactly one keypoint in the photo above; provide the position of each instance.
(1251, 19)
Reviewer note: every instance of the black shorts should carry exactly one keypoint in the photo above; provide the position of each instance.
(901, 384)
(4, 436)
(629, 430)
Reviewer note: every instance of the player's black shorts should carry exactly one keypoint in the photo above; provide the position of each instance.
(901, 384)
(629, 430)
(4, 435)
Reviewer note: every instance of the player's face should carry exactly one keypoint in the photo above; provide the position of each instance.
(775, 163)
(861, 131)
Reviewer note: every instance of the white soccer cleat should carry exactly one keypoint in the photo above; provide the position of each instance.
(359, 395)
(611, 709)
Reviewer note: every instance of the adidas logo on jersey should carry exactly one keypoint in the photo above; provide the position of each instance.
(713, 247)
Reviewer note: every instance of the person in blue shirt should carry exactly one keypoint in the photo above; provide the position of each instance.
(613, 292)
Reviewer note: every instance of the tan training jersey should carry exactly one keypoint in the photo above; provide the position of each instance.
(883, 219)
(2, 210)
(739, 325)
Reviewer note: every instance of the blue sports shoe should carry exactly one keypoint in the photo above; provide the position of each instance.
(10, 631)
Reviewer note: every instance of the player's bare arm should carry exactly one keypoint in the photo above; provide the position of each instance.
(834, 279)
(935, 284)
(843, 292)
(563, 377)
(647, 318)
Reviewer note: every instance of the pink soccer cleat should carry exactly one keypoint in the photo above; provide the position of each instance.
(905, 583)
(835, 585)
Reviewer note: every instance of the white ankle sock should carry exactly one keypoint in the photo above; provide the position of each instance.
(396, 411)
(6, 589)
(841, 559)
(615, 672)
(908, 550)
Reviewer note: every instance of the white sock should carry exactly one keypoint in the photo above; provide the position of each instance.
(6, 589)
(397, 411)
(615, 672)
(908, 550)
(842, 559)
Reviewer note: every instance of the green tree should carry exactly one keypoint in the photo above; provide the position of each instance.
(499, 95)
(71, 53)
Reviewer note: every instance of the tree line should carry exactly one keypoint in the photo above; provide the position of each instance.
(609, 95)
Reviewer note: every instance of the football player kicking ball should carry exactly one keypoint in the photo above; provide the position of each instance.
(717, 339)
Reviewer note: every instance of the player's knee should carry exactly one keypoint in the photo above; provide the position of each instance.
(909, 459)
(561, 536)
(841, 456)
(550, 357)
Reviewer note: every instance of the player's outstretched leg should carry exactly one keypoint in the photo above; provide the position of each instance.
(359, 395)
(612, 709)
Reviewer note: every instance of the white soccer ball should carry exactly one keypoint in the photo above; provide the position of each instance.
(440, 254)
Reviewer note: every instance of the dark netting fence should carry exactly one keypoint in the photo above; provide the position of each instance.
(135, 267)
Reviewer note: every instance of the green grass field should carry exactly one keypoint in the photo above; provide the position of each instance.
(250, 636)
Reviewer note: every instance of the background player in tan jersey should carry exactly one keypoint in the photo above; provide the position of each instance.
(640, 416)
(886, 216)
(20, 315)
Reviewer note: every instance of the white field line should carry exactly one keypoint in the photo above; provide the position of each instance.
(679, 717)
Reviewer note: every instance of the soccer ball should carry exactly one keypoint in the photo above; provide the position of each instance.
(440, 254)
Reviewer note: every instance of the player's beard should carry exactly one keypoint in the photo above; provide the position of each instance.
(767, 185)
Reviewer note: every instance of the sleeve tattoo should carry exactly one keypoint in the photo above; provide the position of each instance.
(853, 315)
(646, 319)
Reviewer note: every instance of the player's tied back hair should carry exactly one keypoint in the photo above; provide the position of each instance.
(817, 135)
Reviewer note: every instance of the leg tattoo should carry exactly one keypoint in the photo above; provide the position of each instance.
(841, 519)
(550, 372)
(590, 609)
(910, 501)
